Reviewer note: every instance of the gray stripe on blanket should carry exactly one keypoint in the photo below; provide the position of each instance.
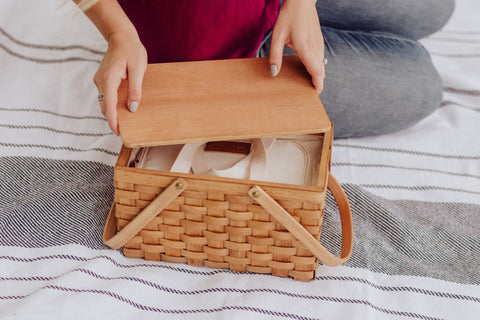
(405, 151)
(46, 202)
(48, 47)
(449, 40)
(388, 166)
(457, 104)
(51, 202)
(48, 147)
(462, 91)
(46, 61)
(54, 130)
(455, 55)
(428, 239)
(68, 116)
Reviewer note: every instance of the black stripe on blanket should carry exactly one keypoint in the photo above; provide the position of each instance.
(180, 268)
(51, 202)
(224, 308)
(160, 287)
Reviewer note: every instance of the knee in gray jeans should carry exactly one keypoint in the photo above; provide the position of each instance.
(377, 83)
(412, 18)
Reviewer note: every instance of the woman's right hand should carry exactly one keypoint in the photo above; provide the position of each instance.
(126, 58)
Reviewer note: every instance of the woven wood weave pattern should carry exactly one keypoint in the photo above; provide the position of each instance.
(219, 230)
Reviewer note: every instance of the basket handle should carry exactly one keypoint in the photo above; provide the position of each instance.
(117, 240)
(312, 244)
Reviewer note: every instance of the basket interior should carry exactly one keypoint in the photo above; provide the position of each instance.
(293, 159)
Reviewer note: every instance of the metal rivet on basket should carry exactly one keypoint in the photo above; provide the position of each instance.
(179, 185)
(255, 194)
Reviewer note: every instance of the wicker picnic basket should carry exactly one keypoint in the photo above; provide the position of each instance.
(240, 224)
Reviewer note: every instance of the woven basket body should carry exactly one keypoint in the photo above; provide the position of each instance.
(215, 222)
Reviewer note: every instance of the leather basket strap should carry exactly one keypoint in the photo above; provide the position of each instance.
(299, 232)
(117, 240)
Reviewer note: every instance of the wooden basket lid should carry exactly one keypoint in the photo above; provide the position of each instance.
(221, 100)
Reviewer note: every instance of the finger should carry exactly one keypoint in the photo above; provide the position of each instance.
(98, 84)
(110, 84)
(315, 67)
(135, 79)
(276, 53)
(318, 83)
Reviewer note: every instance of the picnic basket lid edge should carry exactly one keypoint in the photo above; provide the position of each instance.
(220, 100)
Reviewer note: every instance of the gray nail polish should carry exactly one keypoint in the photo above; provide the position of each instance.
(133, 106)
(273, 70)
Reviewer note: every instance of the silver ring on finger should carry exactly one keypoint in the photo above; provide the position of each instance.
(100, 97)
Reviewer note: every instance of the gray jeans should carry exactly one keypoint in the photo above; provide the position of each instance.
(379, 79)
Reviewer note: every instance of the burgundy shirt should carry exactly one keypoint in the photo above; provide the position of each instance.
(185, 30)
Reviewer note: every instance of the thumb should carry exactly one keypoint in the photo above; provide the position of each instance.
(276, 54)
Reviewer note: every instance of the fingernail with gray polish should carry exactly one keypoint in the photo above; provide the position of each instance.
(274, 70)
(133, 106)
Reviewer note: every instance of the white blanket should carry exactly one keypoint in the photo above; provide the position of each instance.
(415, 197)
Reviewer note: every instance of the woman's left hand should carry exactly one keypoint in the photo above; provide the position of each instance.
(297, 26)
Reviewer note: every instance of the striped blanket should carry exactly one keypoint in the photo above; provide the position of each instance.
(415, 197)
